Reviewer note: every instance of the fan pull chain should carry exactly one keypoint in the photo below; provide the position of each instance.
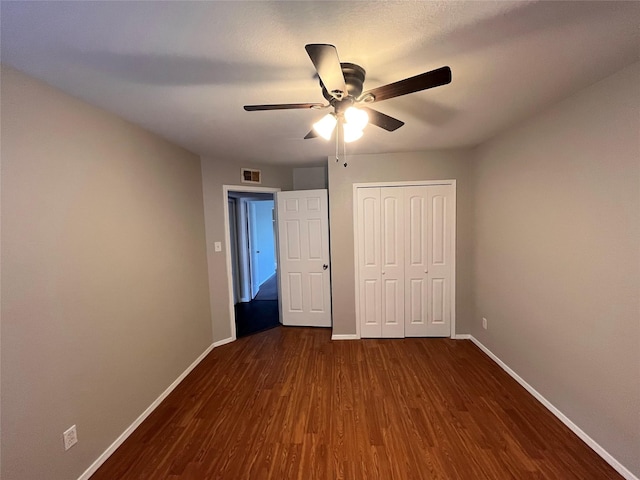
(344, 146)
(344, 149)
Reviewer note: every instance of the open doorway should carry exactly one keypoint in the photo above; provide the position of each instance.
(253, 261)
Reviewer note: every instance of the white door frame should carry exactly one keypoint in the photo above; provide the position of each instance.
(356, 186)
(227, 250)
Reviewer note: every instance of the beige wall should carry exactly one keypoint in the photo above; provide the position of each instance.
(309, 178)
(104, 279)
(557, 258)
(435, 165)
(215, 174)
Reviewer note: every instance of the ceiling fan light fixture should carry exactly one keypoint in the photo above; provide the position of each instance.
(342, 85)
(356, 118)
(351, 133)
(325, 126)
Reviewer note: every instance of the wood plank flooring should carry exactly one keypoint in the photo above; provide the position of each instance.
(289, 403)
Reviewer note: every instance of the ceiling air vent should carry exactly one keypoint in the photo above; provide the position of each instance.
(251, 176)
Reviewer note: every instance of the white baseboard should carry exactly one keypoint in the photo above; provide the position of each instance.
(120, 440)
(219, 343)
(348, 336)
(596, 447)
(462, 336)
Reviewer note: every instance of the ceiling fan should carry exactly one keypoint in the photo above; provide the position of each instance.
(342, 85)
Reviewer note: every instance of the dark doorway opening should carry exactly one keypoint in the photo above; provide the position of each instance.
(254, 265)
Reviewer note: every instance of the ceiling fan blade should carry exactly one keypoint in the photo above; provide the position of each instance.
(311, 134)
(434, 78)
(282, 106)
(381, 120)
(325, 59)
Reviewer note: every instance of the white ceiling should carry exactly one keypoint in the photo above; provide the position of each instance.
(185, 69)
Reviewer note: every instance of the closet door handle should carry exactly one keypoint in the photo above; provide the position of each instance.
(325, 266)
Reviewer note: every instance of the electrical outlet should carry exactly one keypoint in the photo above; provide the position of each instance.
(70, 437)
(217, 246)
(484, 323)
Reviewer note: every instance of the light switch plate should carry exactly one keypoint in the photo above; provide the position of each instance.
(217, 246)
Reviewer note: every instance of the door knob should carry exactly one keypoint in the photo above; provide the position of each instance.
(325, 266)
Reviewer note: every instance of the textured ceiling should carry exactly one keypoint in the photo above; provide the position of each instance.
(185, 69)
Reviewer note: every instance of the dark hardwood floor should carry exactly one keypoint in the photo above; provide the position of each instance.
(289, 403)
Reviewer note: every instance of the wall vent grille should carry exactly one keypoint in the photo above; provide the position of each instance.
(249, 175)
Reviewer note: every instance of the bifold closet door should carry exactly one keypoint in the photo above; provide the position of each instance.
(441, 258)
(392, 261)
(429, 215)
(406, 261)
(369, 270)
(416, 262)
(381, 262)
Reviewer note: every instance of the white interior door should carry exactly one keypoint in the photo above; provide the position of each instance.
(303, 258)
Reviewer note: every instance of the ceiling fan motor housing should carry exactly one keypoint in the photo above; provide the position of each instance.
(353, 79)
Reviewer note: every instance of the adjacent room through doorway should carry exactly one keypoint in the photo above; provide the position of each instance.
(253, 261)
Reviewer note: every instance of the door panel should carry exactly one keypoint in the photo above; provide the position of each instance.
(369, 266)
(441, 251)
(438, 224)
(303, 251)
(371, 301)
(294, 294)
(370, 228)
(313, 204)
(291, 205)
(315, 239)
(292, 240)
(416, 266)
(415, 307)
(392, 260)
(438, 289)
(416, 234)
(393, 308)
(316, 292)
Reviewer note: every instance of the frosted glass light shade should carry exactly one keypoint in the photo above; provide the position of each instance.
(351, 133)
(324, 127)
(356, 118)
